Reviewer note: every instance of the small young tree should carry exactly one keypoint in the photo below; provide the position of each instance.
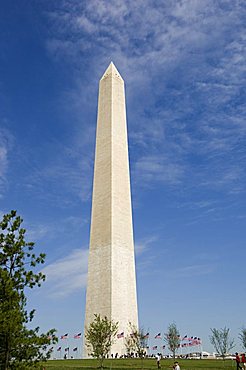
(100, 336)
(20, 347)
(221, 341)
(136, 341)
(172, 338)
(242, 336)
(130, 345)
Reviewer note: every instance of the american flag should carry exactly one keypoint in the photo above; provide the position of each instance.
(120, 335)
(65, 336)
(77, 336)
(158, 336)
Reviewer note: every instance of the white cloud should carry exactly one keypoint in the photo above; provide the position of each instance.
(192, 270)
(3, 160)
(67, 275)
(6, 140)
(198, 45)
(39, 231)
(152, 169)
(143, 245)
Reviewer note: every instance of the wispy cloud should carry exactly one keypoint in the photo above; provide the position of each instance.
(151, 169)
(183, 64)
(67, 274)
(71, 168)
(143, 245)
(6, 140)
(192, 271)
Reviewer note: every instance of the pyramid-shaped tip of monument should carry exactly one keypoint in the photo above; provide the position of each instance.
(111, 70)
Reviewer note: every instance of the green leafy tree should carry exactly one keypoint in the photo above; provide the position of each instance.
(172, 338)
(20, 347)
(242, 336)
(100, 336)
(221, 341)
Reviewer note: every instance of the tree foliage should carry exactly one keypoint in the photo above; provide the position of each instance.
(221, 341)
(172, 338)
(20, 347)
(136, 341)
(242, 336)
(100, 336)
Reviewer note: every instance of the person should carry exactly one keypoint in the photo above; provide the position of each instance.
(238, 361)
(176, 366)
(243, 360)
(158, 359)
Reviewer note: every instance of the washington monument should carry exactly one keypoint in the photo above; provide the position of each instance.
(111, 285)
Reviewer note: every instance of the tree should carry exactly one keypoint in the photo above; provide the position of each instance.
(221, 341)
(20, 347)
(136, 341)
(100, 336)
(172, 338)
(242, 336)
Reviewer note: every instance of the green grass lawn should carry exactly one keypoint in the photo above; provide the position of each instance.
(135, 364)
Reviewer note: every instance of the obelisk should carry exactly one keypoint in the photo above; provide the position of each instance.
(111, 282)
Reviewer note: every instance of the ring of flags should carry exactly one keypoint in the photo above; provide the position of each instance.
(187, 341)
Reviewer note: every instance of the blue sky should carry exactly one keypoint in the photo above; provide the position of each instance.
(183, 62)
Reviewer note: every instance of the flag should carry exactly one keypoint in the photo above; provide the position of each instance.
(75, 349)
(65, 336)
(77, 336)
(66, 349)
(59, 349)
(158, 336)
(121, 335)
(155, 347)
(146, 335)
